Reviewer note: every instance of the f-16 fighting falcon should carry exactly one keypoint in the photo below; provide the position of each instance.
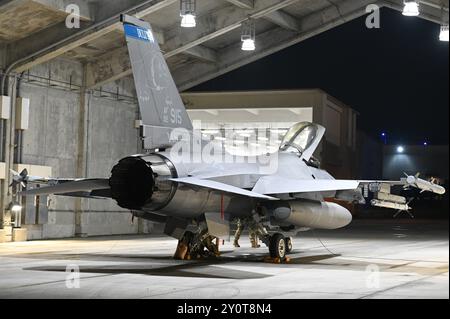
(197, 200)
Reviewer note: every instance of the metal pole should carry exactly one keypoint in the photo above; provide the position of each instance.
(9, 157)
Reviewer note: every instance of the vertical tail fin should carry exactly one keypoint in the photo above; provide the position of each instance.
(161, 107)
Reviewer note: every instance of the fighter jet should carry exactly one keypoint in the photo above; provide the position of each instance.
(198, 200)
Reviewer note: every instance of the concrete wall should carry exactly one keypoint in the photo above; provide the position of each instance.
(53, 140)
(2, 56)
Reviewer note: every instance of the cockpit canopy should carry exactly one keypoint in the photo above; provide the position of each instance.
(303, 138)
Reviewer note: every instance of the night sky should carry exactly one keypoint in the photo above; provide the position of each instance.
(397, 77)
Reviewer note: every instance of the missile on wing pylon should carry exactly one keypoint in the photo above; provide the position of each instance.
(423, 185)
(392, 205)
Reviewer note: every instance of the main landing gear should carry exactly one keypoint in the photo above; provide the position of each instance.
(279, 246)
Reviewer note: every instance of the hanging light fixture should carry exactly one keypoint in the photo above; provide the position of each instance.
(187, 13)
(411, 8)
(248, 35)
(443, 36)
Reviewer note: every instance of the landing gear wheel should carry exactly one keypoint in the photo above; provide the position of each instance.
(277, 246)
(288, 241)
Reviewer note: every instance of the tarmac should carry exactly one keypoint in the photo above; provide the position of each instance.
(369, 259)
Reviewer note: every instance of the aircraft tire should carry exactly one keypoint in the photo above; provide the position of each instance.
(277, 246)
(289, 247)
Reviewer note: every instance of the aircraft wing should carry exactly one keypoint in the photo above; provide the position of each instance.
(221, 187)
(270, 185)
(69, 187)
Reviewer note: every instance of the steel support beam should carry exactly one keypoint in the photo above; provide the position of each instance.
(189, 42)
(284, 20)
(244, 4)
(61, 5)
(218, 23)
(271, 42)
(279, 18)
(202, 53)
(116, 64)
(68, 40)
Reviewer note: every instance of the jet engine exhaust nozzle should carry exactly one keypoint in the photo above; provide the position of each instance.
(132, 183)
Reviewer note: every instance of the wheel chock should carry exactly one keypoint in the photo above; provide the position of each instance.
(182, 252)
(277, 260)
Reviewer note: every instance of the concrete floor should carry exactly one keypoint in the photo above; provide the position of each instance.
(392, 259)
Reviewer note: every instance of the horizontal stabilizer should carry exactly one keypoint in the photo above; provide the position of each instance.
(270, 185)
(82, 185)
(220, 187)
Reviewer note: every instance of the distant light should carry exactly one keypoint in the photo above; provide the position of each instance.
(248, 45)
(263, 139)
(411, 8)
(278, 131)
(400, 149)
(443, 36)
(210, 132)
(425, 143)
(245, 132)
(188, 21)
(383, 134)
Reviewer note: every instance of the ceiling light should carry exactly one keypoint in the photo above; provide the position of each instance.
(188, 21)
(443, 36)
(187, 13)
(248, 35)
(400, 149)
(248, 45)
(411, 8)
